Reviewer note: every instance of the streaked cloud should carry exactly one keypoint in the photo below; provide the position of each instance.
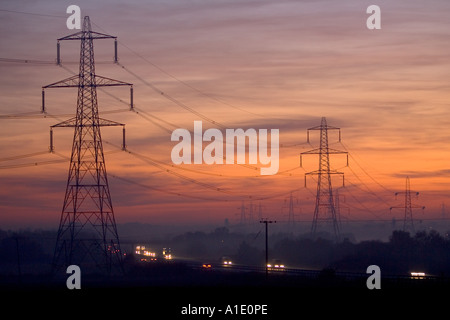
(259, 64)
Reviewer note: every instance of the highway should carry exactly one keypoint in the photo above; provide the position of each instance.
(305, 273)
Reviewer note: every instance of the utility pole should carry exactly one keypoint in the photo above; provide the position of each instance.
(408, 221)
(325, 210)
(87, 234)
(266, 222)
(19, 268)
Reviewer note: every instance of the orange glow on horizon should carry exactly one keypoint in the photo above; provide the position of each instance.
(272, 67)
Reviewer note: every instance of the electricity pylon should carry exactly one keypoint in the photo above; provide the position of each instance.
(325, 210)
(408, 221)
(243, 215)
(87, 234)
(291, 210)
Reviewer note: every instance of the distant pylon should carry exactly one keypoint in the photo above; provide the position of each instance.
(408, 221)
(291, 217)
(290, 205)
(260, 210)
(243, 218)
(250, 212)
(339, 206)
(87, 234)
(325, 210)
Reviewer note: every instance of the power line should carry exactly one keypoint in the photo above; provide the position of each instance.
(23, 115)
(34, 14)
(27, 61)
(367, 209)
(140, 112)
(161, 123)
(361, 167)
(182, 81)
(34, 164)
(135, 53)
(172, 99)
(39, 163)
(23, 156)
(172, 172)
(164, 167)
(367, 187)
(146, 186)
(42, 62)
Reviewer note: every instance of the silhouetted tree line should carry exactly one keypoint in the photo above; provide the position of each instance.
(210, 246)
(425, 251)
(25, 248)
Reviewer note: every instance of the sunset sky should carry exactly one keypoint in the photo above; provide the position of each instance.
(242, 64)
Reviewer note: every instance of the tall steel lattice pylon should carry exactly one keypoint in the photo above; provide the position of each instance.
(325, 210)
(408, 221)
(87, 234)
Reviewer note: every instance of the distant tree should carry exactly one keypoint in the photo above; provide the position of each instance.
(400, 238)
(221, 232)
(17, 247)
(432, 253)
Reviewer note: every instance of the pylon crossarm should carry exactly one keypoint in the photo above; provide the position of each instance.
(74, 36)
(66, 83)
(325, 127)
(316, 172)
(313, 151)
(67, 123)
(98, 35)
(91, 35)
(101, 81)
(108, 123)
(101, 123)
(330, 151)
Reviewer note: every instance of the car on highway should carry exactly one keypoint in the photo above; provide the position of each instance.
(275, 265)
(226, 261)
(206, 266)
